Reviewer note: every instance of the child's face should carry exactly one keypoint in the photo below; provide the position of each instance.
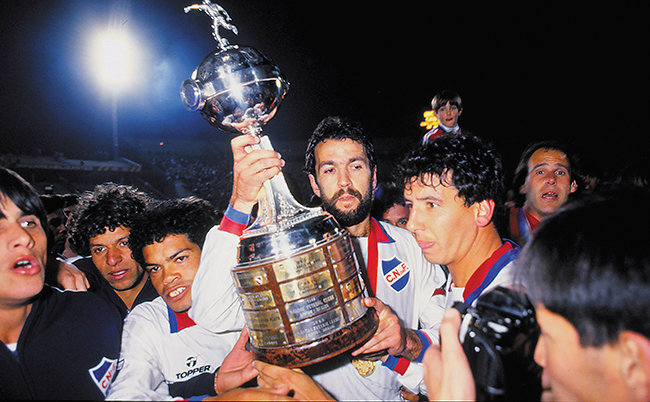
(448, 115)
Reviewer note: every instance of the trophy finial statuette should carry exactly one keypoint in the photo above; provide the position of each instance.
(220, 18)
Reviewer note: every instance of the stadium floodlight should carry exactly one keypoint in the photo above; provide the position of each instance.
(115, 58)
(115, 61)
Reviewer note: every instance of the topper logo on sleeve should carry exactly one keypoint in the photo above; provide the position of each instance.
(103, 373)
(396, 273)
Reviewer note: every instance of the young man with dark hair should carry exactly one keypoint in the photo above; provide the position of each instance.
(55, 344)
(591, 288)
(454, 189)
(341, 166)
(545, 178)
(99, 227)
(164, 352)
(447, 107)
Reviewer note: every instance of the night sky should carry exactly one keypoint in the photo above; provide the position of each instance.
(525, 70)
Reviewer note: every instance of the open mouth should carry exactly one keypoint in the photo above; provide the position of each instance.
(176, 292)
(551, 195)
(27, 266)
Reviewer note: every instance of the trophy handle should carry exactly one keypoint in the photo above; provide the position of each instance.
(277, 208)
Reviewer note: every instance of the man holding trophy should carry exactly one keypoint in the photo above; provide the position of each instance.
(342, 171)
(300, 280)
(407, 286)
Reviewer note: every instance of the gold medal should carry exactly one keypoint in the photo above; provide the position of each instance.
(364, 367)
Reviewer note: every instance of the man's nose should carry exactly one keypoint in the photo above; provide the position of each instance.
(413, 223)
(169, 275)
(344, 178)
(113, 257)
(550, 179)
(20, 236)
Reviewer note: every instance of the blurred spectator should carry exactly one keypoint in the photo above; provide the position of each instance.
(547, 174)
(389, 205)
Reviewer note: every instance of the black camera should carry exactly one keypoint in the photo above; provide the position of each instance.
(499, 336)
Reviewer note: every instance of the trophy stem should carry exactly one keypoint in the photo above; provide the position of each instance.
(278, 209)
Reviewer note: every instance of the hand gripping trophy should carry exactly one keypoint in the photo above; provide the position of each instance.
(296, 274)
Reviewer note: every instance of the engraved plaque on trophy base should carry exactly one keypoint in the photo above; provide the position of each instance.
(304, 307)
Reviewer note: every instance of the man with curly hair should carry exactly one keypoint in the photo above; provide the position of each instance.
(99, 228)
(158, 336)
(454, 189)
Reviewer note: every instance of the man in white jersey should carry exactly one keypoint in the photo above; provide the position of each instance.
(399, 276)
(595, 339)
(341, 166)
(453, 187)
(164, 353)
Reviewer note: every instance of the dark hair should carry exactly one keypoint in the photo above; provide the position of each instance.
(23, 195)
(386, 195)
(337, 128)
(110, 206)
(590, 264)
(191, 216)
(476, 168)
(521, 172)
(445, 96)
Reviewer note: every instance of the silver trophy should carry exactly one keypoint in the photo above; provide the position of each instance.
(297, 275)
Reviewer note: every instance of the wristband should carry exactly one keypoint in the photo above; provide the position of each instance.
(426, 342)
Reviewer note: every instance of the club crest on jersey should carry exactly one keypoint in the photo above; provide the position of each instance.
(396, 273)
(103, 373)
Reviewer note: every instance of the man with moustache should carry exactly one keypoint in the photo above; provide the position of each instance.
(100, 227)
(341, 166)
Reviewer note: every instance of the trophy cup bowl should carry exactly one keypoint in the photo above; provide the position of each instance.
(296, 274)
(236, 89)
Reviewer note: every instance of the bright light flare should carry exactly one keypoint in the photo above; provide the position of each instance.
(115, 59)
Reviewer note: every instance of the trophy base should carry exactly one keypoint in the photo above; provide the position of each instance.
(324, 348)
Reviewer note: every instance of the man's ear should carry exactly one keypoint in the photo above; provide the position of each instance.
(484, 212)
(635, 366)
(314, 185)
(522, 189)
(460, 111)
(574, 187)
